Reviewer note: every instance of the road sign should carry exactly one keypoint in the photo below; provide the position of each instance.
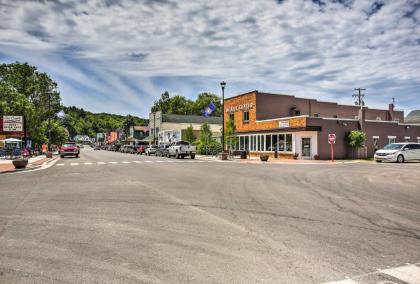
(331, 140)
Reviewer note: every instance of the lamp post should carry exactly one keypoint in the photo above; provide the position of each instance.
(223, 85)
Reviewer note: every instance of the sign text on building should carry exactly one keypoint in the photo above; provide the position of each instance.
(12, 123)
(284, 124)
(247, 106)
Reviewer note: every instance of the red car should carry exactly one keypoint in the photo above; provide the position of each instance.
(69, 149)
(141, 149)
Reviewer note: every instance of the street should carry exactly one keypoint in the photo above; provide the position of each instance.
(109, 217)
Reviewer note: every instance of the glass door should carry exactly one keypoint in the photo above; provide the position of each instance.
(306, 147)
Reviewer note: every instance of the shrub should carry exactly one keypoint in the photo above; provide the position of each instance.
(356, 139)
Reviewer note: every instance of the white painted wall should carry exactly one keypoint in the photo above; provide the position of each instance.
(298, 142)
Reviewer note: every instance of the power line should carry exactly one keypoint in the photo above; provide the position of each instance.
(359, 97)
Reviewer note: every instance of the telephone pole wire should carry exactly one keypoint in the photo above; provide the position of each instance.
(359, 96)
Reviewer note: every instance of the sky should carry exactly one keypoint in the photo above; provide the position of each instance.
(118, 56)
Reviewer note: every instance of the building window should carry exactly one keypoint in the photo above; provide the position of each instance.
(316, 114)
(232, 116)
(375, 142)
(268, 143)
(335, 116)
(418, 139)
(289, 142)
(391, 139)
(275, 144)
(245, 116)
(281, 142)
(246, 143)
(407, 139)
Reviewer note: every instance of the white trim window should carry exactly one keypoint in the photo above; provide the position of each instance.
(392, 139)
(375, 142)
(418, 139)
(407, 138)
(245, 116)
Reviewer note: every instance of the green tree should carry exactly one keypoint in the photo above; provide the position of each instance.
(189, 134)
(356, 139)
(127, 123)
(230, 138)
(203, 100)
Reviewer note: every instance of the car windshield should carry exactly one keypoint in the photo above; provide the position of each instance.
(69, 145)
(393, 146)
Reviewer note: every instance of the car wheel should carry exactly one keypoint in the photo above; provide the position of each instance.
(193, 157)
(378, 161)
(177, 155)
(77, 156)
(400, 159)
(62, 156)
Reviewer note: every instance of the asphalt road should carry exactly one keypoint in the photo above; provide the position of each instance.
(159, 220)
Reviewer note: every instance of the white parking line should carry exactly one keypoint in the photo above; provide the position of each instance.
(114, 163)
(347, 281)
(60, 164)
(148, 161)
(137, 162)
(100, 163)
(88, 163)
(408, 273)
(74, 164)
(126, 162)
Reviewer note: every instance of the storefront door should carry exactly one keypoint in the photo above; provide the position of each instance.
(306, 147)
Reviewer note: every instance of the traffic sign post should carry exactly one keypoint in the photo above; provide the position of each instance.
(331, 140)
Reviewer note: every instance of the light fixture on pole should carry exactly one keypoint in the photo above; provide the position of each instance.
(223, 85)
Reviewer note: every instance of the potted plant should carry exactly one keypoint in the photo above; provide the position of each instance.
(264, 157)
(295, 156)
(20, 163)
(316, 157)
(225, 156)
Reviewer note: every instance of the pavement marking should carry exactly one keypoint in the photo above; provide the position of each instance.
(407, 273)
(114, 163)
(60, 165)
(74, 164)
(148, 161)
(126, 162)
(137, 162)
(88, 163)
(100, 163)
(347, 281)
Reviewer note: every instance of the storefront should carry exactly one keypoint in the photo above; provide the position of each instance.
(291, 127)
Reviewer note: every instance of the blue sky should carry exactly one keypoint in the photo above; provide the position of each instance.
(118, 56)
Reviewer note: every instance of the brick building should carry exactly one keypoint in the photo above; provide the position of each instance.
(266, 123)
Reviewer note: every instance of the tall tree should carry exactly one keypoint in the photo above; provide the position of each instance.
(230, 138)
(189, 134)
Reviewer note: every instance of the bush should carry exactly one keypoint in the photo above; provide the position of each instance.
(210, 148)
(356, 139)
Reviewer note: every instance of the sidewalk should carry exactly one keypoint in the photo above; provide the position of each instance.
(6, 166)
(256, 160)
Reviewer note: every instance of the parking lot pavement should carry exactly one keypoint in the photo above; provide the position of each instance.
(121, 218)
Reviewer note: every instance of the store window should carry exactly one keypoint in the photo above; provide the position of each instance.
(275, 144)
(281, 142)
(246, 143)
(418, 139)
(245, 116)
(316, 114)
(268, 143)
(407, 139)
(391, 139)
(289, 146)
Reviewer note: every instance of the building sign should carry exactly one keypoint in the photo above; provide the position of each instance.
(241, 107)
(283, 124)
(12, 123)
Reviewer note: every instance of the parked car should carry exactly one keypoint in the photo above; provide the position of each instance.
(116, 147)
(134, 149)
(123, 148)
(142, 149)
(398, 152)
(162, 150)
(181, 149)
(151, 150)
(69, 149)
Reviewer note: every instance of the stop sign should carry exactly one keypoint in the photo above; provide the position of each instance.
(331, 138)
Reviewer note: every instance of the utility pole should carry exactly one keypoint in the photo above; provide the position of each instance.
(359, 96)
(154, 127)
(223, 85)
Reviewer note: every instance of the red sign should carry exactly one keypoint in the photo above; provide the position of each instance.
(331, 138)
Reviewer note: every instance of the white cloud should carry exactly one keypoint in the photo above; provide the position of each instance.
(294, 47)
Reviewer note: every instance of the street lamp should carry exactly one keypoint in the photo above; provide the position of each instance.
(223, 85)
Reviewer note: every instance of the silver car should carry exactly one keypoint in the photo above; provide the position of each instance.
(398, 152)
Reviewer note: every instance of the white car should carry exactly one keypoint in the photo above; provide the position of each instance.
(398, 152)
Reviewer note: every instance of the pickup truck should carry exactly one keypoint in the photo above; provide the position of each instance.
(69, 149)
(181, 149)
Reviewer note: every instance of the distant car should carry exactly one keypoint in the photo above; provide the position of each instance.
(69, 149)
(128, 149)
(142, 149)
(181, 149)
(398, 152)
(122, 148)
(134, 149)
(151, 150)
(162, 150)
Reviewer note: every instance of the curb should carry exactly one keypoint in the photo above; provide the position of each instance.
(44, 165)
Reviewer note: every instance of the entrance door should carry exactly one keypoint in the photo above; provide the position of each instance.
(306, 147)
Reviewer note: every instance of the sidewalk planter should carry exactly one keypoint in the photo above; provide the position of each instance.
(20, 163)
(49, 154)
(224, 156)
(264, 158)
